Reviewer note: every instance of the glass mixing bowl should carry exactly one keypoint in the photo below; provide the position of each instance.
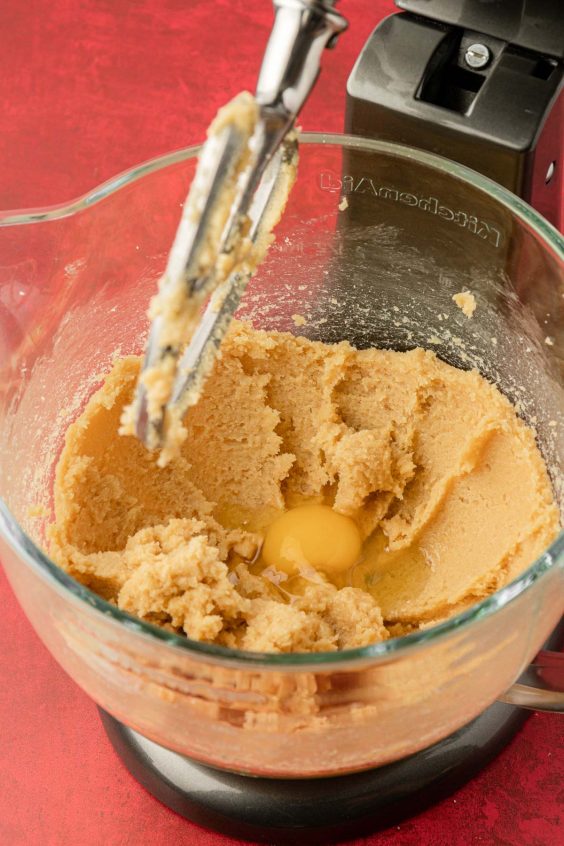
(376, 240)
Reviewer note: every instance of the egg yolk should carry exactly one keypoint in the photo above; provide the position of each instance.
(312, 536)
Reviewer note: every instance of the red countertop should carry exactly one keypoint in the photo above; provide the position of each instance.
(89, 88)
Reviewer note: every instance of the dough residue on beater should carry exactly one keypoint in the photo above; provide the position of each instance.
(178, 312)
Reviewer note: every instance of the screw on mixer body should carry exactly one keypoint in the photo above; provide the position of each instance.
(477, 56)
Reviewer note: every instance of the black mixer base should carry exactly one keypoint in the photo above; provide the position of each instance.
(314, 811)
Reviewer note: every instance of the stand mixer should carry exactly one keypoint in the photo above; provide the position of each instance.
(482, 87)
(432, 77)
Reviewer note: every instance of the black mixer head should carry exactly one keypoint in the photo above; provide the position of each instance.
(479, 83)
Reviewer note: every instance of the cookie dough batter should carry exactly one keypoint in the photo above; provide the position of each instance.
(440, 480)
(466, 302)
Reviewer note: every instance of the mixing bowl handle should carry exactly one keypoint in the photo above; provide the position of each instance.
(548, 669)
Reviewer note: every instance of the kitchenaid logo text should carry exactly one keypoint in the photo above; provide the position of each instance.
(364, 185)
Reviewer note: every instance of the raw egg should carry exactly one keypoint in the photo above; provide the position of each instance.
(312, 536)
